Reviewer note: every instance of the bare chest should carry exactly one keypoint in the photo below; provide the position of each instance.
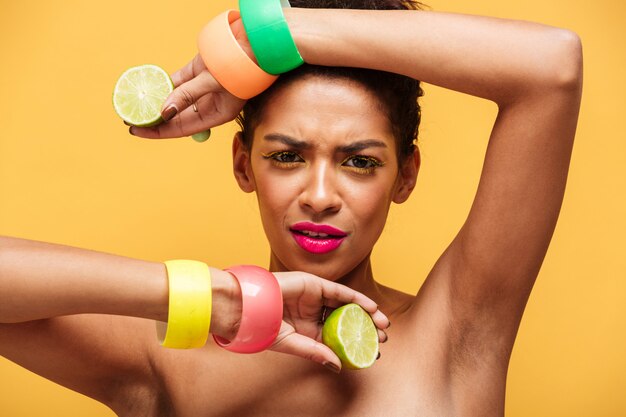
(271, 384)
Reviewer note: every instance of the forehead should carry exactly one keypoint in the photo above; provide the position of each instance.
(324, 110)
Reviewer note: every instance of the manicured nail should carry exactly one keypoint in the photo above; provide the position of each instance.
(169, 113)
(378, 357)
(126, 123)
(130, 130)
(332, 367)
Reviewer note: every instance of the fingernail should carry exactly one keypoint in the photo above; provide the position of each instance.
(389, 325)
(378, 357)
(332, 367)
(130, 130)
(126, 123)
(386, 338)
(169, 113)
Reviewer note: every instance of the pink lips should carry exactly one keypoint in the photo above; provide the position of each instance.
(317, 238)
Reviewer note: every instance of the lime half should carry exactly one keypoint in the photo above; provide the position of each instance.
(350, 332)
(140, 93)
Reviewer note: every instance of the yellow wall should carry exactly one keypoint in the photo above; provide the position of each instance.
(69, 173)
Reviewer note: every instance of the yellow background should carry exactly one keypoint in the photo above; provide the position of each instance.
(70, 173)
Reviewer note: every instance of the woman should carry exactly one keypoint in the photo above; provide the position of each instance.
(323, 148)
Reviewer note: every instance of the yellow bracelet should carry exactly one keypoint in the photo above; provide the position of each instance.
(189, 314)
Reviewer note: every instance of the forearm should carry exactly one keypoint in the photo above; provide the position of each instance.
(41, 280)
(496, 59)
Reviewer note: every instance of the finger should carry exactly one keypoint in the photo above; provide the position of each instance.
(380, 319)
(299, 284)
(188, 93)
(189, 71)
(189, 122)
(335, 295)
(185, 123)
(382, 336)
(304, 347)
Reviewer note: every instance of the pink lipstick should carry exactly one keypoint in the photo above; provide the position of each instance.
(317, 238)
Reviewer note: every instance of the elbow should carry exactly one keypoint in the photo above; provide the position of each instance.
(565, 68)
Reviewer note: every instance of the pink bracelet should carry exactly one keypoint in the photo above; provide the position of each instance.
(261, 310)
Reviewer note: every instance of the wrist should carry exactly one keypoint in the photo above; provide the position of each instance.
(297, 27)
(269, 35)
(226, 309)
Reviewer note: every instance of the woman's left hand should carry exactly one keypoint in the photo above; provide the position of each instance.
(197, 103)
(305, 297)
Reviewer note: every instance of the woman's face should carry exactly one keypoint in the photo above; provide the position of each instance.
(323, 164)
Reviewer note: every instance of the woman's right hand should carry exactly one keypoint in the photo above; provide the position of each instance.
(193, 84)
(305, 297)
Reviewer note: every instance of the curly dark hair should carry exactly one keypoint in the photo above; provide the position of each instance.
(398, 94)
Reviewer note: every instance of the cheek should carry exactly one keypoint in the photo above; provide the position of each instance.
(369, 204)
(275, 194)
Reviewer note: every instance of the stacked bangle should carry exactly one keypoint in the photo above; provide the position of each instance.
(227, 62)
(269, 35)
(189, 313)
(262, 310)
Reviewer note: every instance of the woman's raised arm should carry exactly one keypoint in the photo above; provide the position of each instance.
(476, 293)
(492, 58)
(533, 73)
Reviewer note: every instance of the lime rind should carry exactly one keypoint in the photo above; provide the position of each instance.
(140, 93)
(350, 332)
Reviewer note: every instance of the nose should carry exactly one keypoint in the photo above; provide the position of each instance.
(320, 193)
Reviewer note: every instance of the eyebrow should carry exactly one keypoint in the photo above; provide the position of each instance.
(302, 145)
(360, 145)
(288, 140)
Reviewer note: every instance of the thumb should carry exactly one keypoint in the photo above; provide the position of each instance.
(307, 348)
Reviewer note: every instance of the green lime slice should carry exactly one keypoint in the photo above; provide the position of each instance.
(350, 332)
(140, 93)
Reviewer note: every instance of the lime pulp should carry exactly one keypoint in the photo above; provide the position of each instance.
(350, 332)
(139, 94)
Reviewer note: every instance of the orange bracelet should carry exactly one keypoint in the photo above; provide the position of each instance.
(228, 62)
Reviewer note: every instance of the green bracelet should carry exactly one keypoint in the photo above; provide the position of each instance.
(269, 35)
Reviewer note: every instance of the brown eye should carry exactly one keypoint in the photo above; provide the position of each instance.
(362, 162)
(286, 157)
